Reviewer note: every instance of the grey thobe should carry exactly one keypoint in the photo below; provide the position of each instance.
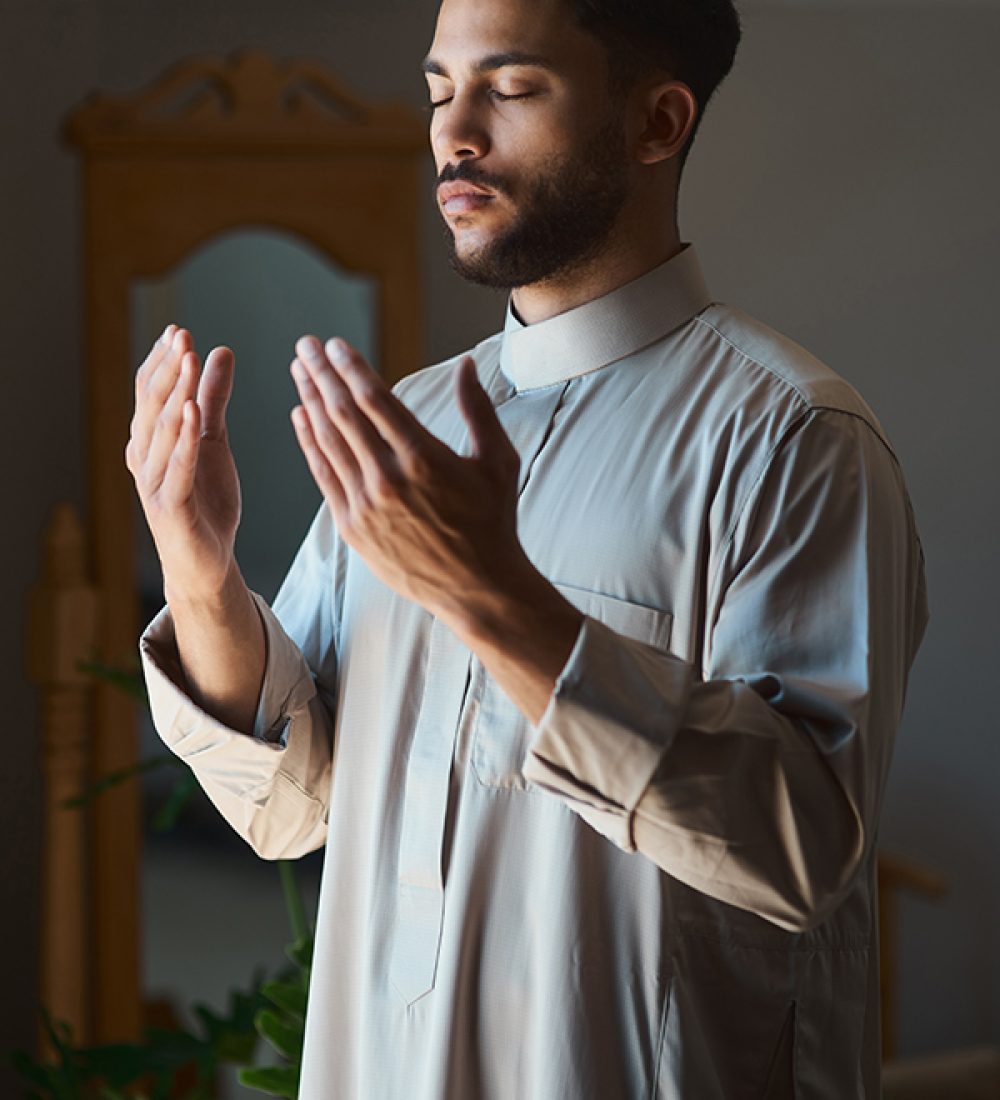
(666, 888)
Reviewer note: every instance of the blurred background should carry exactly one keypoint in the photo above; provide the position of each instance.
(842, 189)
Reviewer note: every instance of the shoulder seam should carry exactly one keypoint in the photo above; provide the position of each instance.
(763, 366)
(791, 429)
(814, 406)
(808, 416)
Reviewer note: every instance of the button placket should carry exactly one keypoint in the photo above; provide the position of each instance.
(420, 878)
(421, 872)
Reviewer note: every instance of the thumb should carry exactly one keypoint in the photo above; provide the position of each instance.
(214, 390)
(485, 429)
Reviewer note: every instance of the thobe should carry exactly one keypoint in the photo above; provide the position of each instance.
(665, 888)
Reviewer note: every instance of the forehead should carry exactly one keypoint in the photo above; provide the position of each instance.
(469, 30)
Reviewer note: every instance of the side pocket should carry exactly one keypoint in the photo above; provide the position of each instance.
(729, 1032)
(781, 1074)
(655, 1090)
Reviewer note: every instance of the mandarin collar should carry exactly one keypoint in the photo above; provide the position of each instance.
(605, 329)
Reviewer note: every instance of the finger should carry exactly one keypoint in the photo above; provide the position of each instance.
(214, 391)
(371, 451)
(156, 353)
(168, 424)
(327, 436)
(321, 470)
(393, 421)
(178, 478)
(487, 433)
(158, 387)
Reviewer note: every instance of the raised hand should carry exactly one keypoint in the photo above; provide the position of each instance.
(438, 527)
(179, 455)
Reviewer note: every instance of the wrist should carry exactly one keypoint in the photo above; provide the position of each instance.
(206, 597)
(525, 615)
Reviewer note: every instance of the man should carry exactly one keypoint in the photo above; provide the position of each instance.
(589, 668)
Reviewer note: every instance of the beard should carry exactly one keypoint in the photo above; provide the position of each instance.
(564, 218)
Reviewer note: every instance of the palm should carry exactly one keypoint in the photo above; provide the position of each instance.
(179, 455)
(216, 497)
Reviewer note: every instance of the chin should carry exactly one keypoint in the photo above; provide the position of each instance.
(471, 249)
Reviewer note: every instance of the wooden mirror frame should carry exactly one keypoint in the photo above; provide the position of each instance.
(213, 145)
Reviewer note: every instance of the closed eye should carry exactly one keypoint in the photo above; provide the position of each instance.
(430, 107)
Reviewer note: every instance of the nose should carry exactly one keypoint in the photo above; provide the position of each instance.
(458, 132)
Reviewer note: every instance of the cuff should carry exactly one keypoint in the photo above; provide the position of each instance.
(287, 687)
(616, 707)
(288, 684)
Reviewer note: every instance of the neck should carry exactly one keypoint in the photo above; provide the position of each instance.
(620, 263)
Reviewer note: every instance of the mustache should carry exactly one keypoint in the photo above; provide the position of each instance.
(465, 172)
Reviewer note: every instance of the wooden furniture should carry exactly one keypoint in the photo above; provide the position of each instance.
(63, 625)
(897, 875)
(972, 1074)
(211, 146)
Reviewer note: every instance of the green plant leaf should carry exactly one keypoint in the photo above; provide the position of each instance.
(233, 1035)
(275, 1080)
(184, 789)
(286, 1038)
(113, 779)
(130, 679)
(31, 1070)
(300, 952)
(115, 1071)
(288, 996)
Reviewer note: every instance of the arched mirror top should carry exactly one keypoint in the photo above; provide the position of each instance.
(176, 251)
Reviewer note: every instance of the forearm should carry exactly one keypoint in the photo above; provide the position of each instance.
(222, 650)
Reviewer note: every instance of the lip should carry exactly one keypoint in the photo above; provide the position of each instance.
(453, 190)
(462, 198)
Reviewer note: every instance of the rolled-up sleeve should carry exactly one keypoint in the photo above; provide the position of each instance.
(272, 787)
(757, 777)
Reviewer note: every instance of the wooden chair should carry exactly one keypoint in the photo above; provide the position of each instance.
(897, 875)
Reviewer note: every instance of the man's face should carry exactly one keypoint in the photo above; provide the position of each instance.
(529, 148)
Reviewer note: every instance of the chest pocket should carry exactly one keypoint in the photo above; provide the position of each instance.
(501, 733)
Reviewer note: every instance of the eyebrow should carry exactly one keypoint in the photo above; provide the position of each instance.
(492, 62)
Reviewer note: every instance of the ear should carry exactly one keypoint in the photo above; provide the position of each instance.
(669, 111)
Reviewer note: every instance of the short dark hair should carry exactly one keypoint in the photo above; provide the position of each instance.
(694, 41)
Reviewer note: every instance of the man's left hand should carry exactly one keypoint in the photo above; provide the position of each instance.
(437, 527)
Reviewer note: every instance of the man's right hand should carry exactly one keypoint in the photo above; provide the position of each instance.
(179, 455)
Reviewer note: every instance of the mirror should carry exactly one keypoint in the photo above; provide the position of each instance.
(256, 290)
(184, 184)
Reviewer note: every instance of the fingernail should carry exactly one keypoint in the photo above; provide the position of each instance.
(309, 348)
(338, 351)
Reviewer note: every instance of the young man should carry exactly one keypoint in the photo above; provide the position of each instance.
(588, 671)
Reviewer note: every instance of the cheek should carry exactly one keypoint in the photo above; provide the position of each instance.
(549, 130)
(437, 151)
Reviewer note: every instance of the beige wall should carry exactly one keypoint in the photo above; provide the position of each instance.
(841, 189)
